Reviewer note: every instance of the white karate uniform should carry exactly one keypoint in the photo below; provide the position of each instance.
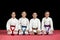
(34, 23)
(23, 22)
(47, 21)
(13, 22)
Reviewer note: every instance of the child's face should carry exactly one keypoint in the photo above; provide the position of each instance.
(23, 14)
(34, 15)
(47, 14)
(13, 14)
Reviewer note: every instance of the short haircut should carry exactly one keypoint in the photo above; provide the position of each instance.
(47, 11)
(12, 12)
(23, 11)
(34, 12)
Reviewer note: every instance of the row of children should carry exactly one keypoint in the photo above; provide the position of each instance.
(23, 26)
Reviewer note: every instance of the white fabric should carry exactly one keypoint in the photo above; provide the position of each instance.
(47, 21)
(12, 28)
(34, 30)
(48, 33)
(47, 28)
(34, 23)
(20, 33)
(9, 32)
(15, 32)
(24, 22)
(23, 28)
(26, 32)
(12, 21)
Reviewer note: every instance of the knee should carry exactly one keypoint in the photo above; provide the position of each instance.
(15, 32)
(9, 32)
(50, 32)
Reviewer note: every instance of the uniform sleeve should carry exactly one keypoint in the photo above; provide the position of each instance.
(27, 24)
(51, 23)
(8, 25)
(42, 24)
(39, 25)
(19, 23)
(30, 26)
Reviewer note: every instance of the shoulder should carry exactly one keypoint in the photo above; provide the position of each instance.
(38, 19)
(16, 19)
(9, 20)
(43, 18)
(31, 19)
(20, 18)
(27, 19)
(50, 18)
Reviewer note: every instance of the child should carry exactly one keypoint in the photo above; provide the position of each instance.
(24, 24)
(12, 24)
(47, 24)
(35, 24)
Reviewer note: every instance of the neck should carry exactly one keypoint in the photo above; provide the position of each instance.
(14, 17)
(34, 18)
(23, 17)
(46, 17)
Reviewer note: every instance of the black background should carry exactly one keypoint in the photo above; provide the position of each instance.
(8, 6)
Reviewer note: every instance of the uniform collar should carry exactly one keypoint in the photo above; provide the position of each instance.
(13, 18)
(23, 18)
(35, 18)
(46, 18)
